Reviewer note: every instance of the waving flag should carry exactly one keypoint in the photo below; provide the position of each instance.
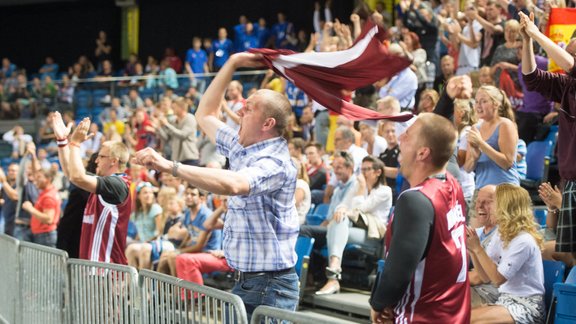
(324, 75)
(561, 28)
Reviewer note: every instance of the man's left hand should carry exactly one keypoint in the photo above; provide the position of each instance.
(80, 134)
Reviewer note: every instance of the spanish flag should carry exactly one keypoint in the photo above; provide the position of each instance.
(561, 29)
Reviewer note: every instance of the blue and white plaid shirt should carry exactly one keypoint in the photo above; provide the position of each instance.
(261, 228)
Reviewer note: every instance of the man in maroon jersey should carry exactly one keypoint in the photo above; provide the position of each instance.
(105, 222)
(425, 277)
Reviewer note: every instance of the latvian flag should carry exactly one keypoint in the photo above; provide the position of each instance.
(323, 76)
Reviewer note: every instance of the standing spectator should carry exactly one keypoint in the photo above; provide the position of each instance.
(239, 31)
(263, 32)
(172, 59)
(419, 18)
(46, 211)
(390, 155)
(250, 39)
(70, 225)
(466, 33)
(492, 30)
(103, 49)
(133, 101)
(10, 197)
(448, 70)
(168, 79)
(464, 119)
(373, 143)
(181, 133)
(261, 224)
(27, 191)
(282, 31)
(109, 202)
(197, 63)
(235, 103)
(222, 48)
(425, 248)
(317, 171)
(8, 68)
(92, 145)
(402, 86)
(66, 93)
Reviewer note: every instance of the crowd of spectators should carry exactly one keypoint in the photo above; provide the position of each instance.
(469, 66)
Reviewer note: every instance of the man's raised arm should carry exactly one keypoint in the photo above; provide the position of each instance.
(209, 107)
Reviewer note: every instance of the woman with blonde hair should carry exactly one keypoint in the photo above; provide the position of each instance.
(519, 273)
(492, 143)
(302, 195)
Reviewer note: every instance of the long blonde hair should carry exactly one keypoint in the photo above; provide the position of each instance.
(500, 99)
(514, 213)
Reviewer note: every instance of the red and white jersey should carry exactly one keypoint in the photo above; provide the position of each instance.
(439, 291)
(104, 229)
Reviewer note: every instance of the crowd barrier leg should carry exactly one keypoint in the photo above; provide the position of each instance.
(43, 284)
(9, 274)
(267, 314)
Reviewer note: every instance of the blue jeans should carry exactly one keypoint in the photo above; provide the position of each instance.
(23, 233)
(280, 292)
(46, 239)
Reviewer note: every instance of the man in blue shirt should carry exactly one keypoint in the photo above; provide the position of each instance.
(261, 225)
(197, 62)
(222, 48)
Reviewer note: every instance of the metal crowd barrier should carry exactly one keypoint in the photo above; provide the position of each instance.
(43, 284)
(9, 289)
(103, 293)
(167, 299)
(267, 314)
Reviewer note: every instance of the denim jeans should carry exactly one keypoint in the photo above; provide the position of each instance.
(46, 239)
(280, 292)
(23, 233)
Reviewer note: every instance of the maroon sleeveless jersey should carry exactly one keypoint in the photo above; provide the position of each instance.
(439, 291)
(104, 229)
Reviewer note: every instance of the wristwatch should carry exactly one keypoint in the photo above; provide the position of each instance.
(175, 166)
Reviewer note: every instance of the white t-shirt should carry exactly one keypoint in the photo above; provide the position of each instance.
(380, 145)
(305, 204)
(470, 57)
(466, 178)
(520, 263)
(235, 106)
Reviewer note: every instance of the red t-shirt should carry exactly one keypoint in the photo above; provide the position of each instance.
(47, 200)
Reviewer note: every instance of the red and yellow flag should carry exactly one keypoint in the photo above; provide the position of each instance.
(561, 29)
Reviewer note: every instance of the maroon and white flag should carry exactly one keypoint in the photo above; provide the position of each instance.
(324, 75)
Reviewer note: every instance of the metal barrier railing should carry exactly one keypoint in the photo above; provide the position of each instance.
(43, 284)
(103, 293)
(9, 289)
(267, 314)
(167, 299)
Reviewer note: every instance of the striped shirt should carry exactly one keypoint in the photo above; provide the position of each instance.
(261, 228)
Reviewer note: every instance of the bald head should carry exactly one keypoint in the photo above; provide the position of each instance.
(485, 207)
(275, 105)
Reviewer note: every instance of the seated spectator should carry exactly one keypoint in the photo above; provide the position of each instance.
(200, 239)
(485, 212)
(390, 155)
(173, 236)
(519, 273)
(132, 100)
(130, 67)
(317, 171)
(191, 266)
(296, 148)
(8, 68)
(329, 232)
(172, 60)
(122, 113)
(92, 145)
(66, 93)
(18, 139)
(49, 69)
(485, 76)
(147, 212)
(373, 143)
(114, 128)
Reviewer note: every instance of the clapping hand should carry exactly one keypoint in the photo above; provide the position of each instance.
(80, 134)
(61, 131)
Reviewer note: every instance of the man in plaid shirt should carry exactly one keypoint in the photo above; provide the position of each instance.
(261, 226)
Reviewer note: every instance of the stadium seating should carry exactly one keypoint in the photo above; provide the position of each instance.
(553, 273)
(319, 215)
(540, 215)
(537, 160)
(303, 249)
(566, 303)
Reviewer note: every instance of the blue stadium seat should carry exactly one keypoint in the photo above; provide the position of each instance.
(319, 215)
(303, 249)
(571, 279)
(537, 161)
(553, 273)
(566, 303)
(552, 136)
(540, 216)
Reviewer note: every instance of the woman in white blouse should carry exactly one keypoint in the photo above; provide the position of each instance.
(368, 212)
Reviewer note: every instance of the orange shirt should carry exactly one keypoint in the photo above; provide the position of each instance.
(48, 199)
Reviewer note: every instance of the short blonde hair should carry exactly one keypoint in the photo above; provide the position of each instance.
(119, 151)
